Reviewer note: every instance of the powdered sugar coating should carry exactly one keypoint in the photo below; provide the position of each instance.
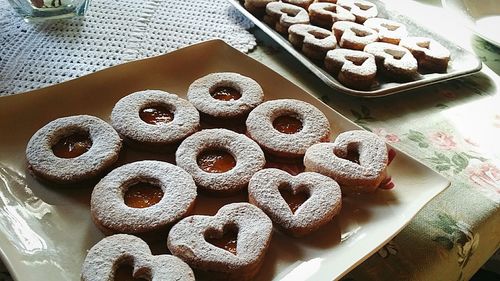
(312, 40)
(283, 15)
(105, 257)
(353, 68)
(199, 94)
(110, 213)
(352, 177)
(324, 14)
(301, 3)
(315, 127)
(186, 240)
(361, 9)
(248, 155)
(323, 204)
(106, 145)
(388, 30)
(127, 122)
(393, 60)
(429, 53)
(353, 35)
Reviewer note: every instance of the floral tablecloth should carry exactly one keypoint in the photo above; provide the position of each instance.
(452, 127)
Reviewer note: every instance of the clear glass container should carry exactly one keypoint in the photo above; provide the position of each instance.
(34, 10)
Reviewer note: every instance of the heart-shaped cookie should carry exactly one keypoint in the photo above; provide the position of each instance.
(110, 253)
(396, 62)
(299, 215)
(357, 160)
(188, 241)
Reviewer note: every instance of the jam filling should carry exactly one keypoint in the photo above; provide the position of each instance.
(124, 272)
(156, 115)
(228, 241)
(143, 195)
(216, 161)
(294, 201)
(72, 146)
(225, 94)
(287, 124)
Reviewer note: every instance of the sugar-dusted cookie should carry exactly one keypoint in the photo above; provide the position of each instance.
(257, 7)
(105, 257)
(73, 149)
(393, 60)
(357, 160)
(312, 40)
(298, 204)
(430, 54)
(361, 9)
(225, 95)
(220, 161)
(355, 69)
(154, 119)
(142, 197)
(287, 127)
(388, 30)
(351, 35)
(282, 15)
(325, 14)
(228, 246)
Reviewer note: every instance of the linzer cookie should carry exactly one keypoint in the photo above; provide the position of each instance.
(355, 69)
(430, 54)
(73, 149)
(142, 198)
(325, 14)
(396, 62)
(312, 40)
(287, 127)
(301, 3)
(298, 204)
(282, 15)
(361, 9)
(220, 161)
(228, 246)
(225, 95)
(353, 35)
(257, 7)
(106, 257)
(154, 119)
(388, 30)
(357, 160)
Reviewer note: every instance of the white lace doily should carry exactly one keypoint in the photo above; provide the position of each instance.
(112, 32)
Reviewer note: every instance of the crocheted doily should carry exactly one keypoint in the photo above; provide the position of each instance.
(112, 32)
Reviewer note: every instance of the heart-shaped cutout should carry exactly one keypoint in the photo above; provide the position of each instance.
(227, 239)
(188, 241)
(125, 272)
(330, 159)
(323, 200)
(293, 197)
(123, 251)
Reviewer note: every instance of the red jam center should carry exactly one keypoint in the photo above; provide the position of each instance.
(72, 146)
(287, 124)
(225, 93)
(143, 195)
(124, 273)
(228, 241)
(216, 161)
(156, 115)
(294, 201)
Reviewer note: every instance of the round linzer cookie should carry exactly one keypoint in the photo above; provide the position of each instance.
(228, 246)
(73, 149)
(312, 40)
(430, 54)
(225, 95)
(220, 161)
(394, 61)
(388, 30)
(106, 257)
(153, 119)
(357, 160)
(351, 35)
(142, 198)
(324, 14)
(361, 9)
(282, 15)
(355, 69)
(298, 204)
(287, 127)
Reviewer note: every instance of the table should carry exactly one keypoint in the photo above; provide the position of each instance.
(452, 127)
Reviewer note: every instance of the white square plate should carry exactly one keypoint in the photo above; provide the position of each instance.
(47, 230)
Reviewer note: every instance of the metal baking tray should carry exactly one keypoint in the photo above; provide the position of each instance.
(462, 62)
